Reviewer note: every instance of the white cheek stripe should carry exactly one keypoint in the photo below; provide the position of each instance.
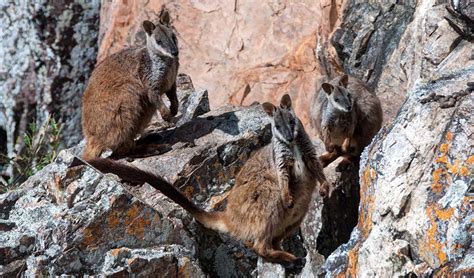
(159, 48)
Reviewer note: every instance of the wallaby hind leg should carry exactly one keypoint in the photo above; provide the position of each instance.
(286, 259)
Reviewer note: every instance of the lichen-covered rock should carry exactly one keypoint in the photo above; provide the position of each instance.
(47, 52)
(77, 221)
(414, 213)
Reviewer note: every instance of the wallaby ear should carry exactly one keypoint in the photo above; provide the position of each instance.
(328, 88)
(268, 108)
(148, 26)
(285, 101)
(165, 17)
(344, 80)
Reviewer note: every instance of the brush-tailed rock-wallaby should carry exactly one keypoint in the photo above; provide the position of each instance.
(346, 116)
(126, 89)
(257, 211)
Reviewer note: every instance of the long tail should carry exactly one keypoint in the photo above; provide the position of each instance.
(211, 220)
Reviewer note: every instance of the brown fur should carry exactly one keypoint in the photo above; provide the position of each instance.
(350, 136)
(256, 211)
(122, 95)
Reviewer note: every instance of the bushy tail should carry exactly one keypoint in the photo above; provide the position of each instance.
(135, 175)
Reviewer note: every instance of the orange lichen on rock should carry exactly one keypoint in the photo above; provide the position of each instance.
(436, 186)
(464, 171)
(470, 160)
(135, 221)
(454, 168)
(449, 136)
(367, 200)
(444, 148)
(353, 258)
(433, 245)
(441, 159)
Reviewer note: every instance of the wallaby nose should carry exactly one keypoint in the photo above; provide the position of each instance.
(175, 52)
(349, 108)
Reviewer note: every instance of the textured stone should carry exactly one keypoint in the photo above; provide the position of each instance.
(47, 52)
(414, 215)
(76, 221)
(241, 51)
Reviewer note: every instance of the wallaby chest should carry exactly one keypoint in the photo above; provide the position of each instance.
(339, 125)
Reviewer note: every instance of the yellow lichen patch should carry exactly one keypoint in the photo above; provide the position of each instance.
(444, 148)
(449, 136)
(454, 169)
(436, 187)
(444, 214)
(441, 159)
(432, 245)
(367, 200)
(352, 264)
(135, 222)
(463, 171)
(470, 160)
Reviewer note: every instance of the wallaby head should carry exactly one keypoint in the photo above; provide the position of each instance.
(338, 95)
(160, 38)
(283, 119)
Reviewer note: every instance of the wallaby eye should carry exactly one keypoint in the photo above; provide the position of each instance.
(292, 121)
(277, 126)
(337, 99)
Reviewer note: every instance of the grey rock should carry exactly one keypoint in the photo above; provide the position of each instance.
(73, 221)
(47, 53)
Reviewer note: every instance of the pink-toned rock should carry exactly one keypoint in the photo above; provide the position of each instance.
(241, 51)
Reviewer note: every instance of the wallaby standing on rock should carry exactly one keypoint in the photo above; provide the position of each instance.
(347, 116)
(126, 88)
(258, 209)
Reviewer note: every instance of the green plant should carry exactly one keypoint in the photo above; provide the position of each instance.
(40, 147)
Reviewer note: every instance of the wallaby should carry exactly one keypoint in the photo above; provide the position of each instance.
(347, 116)
(256, 211)
(126, 88)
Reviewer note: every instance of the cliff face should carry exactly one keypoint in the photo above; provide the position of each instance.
(47, 52)
(414, 182)
(240, 51)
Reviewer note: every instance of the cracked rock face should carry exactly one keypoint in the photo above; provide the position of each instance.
(240, 51)
(415, 207)
(47, 53)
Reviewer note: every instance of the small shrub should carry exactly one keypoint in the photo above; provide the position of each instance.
(40, 147)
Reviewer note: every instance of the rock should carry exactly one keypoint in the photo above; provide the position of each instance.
(221, 44)
(165, 261)
(368, 35)
(47, 53)
(80, 222)
(413, 213)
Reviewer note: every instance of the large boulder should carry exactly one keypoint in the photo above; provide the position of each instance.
(78, 221)
(415, 212)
